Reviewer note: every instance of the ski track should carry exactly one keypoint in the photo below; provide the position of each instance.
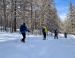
(35, 47)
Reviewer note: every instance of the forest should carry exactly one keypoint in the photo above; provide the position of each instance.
(36, 14)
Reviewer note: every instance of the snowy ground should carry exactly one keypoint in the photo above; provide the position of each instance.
(35, 47)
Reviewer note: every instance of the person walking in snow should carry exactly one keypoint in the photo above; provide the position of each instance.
(44, 33)
(55, 34)
(65, 35)
(23, 30)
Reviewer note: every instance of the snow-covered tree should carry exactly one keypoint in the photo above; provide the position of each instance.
(35, 13)
(70, 27)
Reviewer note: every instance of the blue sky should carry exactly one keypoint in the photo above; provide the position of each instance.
(62, 7)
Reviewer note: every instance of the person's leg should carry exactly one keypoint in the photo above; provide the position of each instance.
(44, 36)
(65, 36)
(24, 36)
(57, 36)
(54, 36)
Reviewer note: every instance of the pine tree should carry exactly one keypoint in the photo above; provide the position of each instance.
(71, 19)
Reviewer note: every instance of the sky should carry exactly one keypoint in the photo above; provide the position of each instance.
(62, 7)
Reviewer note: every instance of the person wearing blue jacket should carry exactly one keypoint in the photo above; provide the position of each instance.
(23, 30)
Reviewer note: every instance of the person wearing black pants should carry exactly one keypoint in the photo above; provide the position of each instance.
(55, 34)
(23, 30)
(44, 33)
(24, 36)
(65, 35)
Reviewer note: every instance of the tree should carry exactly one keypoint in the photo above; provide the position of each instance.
(71, 19)
(35, 13)
(4, 9)
(49, 15)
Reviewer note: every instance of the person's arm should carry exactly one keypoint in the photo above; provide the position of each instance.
(27, 29)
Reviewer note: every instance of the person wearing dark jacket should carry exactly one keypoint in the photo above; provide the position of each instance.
(55, 34)
(44, 33)
(23, 30)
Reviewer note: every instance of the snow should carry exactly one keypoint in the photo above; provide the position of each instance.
(35, 47)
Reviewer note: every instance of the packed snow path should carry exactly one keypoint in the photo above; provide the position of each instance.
(35, 47)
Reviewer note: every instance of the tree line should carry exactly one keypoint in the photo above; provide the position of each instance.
(32, 12)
